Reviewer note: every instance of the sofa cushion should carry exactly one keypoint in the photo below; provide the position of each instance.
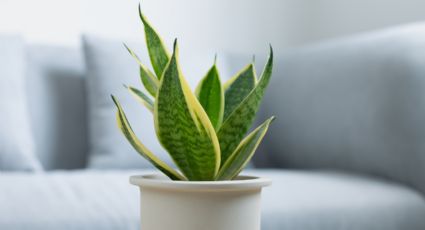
(356, 104)
(297, 200)
(57, 101)
(109, 66)
(314, 200)
(16, 139)
(79, 199)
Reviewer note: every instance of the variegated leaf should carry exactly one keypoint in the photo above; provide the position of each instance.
(183, 127)
(240, 120)
(243, 153)
(126, 129)
(157, 50)
(148, 79)
(210, 95)
(238, 87)
(140, 96)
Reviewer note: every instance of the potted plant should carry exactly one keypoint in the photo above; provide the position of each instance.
(205, 134)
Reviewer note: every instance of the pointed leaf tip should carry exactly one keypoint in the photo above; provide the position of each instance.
(142, 17)
(149, 80)
(240, 119)
(141, 97)
(158, 52)
(114, 99)
(210, 94)
(175, 46)
(238, 87)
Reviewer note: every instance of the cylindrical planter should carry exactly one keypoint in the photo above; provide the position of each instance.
(197, 205)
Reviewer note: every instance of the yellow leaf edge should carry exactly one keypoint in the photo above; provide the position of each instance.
(126, 129)
(229, 161)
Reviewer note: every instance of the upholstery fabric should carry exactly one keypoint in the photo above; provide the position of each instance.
(57, 103)
(314, 200)
(16, 139)
(355, 104)
(297, 200)
(109, 66)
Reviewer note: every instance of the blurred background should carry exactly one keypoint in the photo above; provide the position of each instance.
(345, 152)
(237, 25)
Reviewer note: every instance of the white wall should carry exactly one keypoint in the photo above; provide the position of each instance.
(237, 25)
(217, 24)
(48, 21)
(333, 18)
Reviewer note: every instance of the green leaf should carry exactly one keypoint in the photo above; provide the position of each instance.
(238, 87)
(210, 95)
(140, 96)
(157, 50)
(126, 129)
(243, 153)
(183, 127)
(240, 120)
(149, 80)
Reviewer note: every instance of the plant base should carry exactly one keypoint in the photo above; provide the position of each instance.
(212, 205)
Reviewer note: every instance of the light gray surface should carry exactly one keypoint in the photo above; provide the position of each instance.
(68, 200)
(314, 200)
(16, 139)
(57, 105)
(356, 104)
(109, 66)
(297, 200)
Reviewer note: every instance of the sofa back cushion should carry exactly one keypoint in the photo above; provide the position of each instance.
(109, 67)
(56, 95)
(354, 104)
(16, 140)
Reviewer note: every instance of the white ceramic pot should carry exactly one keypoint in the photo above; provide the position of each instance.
(211, 205)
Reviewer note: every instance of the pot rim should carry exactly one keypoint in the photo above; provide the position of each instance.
(159, 181)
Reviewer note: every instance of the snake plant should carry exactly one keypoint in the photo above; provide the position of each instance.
(203, 131)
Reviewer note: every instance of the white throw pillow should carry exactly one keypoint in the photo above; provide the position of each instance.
(16, 140)
(109, 66)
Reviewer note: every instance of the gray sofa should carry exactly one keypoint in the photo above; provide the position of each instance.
(347, 150)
